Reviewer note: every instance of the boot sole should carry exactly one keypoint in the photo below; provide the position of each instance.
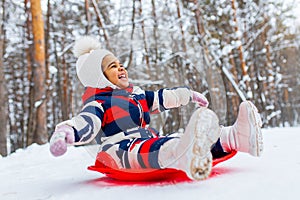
(257, 141)
(207, 132)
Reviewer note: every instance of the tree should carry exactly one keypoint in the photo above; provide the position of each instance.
(215, 47)
(3, 88)
(38, 132)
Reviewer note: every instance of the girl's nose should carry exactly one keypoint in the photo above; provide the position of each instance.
(121, 68)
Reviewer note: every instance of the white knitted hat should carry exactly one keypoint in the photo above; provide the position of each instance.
(88, 66)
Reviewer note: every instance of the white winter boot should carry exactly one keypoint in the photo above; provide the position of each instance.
(245, 135)
(191, 152)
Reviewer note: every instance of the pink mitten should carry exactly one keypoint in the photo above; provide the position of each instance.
(200, 99)
(62, 136)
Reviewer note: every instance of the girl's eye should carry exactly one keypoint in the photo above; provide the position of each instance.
(123, 66)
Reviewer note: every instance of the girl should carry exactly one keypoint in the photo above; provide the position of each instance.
(117, 115)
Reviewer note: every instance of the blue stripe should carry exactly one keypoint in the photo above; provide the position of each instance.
(118, 126)
(161, 100)
(124, 145)
(82, 131)
(94, 110)
(85, 130)
(154, 150)
(106, 147)
(144, 133)
(123, 152)
(103, 96)
(153, 131)
(126, 163)
(77, 138)
(139, 96)
(140, 159)
(89, 121)
(149, 98)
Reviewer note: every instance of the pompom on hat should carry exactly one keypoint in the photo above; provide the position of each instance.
(89, 65)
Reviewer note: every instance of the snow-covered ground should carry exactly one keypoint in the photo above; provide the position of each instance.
(34, 174)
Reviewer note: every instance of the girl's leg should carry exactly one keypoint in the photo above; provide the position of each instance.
(136, 153)
(245, 135)
(191, 152)
(217, 150)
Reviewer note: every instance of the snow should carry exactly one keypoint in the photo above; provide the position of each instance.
(232, 81)
(34, 174)
(38, 103)
(53, 70)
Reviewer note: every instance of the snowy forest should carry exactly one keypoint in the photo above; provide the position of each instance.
(230, 50)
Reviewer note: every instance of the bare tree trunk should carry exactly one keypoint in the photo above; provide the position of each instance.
(100, 23)
(181, 27)
(214, 78)
(62, 66)
(29, 59)
(183, 67)
(274, 101)
(87, 16)
(58, 104)
(155, 37)
(245, 75)
(47, 38)
(66, 100)
(132, 34)
(240, 48)
(49, 76)
(198, 21)
(145, 42)
(234, 99)
(39, 134)
(3, 90)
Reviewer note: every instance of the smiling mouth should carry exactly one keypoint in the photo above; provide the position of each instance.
(122, 76)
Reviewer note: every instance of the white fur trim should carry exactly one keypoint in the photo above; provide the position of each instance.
(85, 45)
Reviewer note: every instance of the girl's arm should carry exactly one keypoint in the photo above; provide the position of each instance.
(164, 99)
(86, 124)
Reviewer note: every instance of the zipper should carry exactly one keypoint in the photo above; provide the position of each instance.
(140, 110)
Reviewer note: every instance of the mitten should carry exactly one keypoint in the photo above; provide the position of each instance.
(199, 98)
(62, 136)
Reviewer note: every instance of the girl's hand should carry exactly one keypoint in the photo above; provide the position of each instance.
(62, 136)
(199, 98)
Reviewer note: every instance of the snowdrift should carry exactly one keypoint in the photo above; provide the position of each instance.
(34, 174)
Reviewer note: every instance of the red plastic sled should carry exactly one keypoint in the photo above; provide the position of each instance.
(108, 167)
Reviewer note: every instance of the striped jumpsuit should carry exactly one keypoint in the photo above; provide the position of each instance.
(118, 119)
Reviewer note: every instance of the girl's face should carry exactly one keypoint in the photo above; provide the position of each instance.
(117, 74)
